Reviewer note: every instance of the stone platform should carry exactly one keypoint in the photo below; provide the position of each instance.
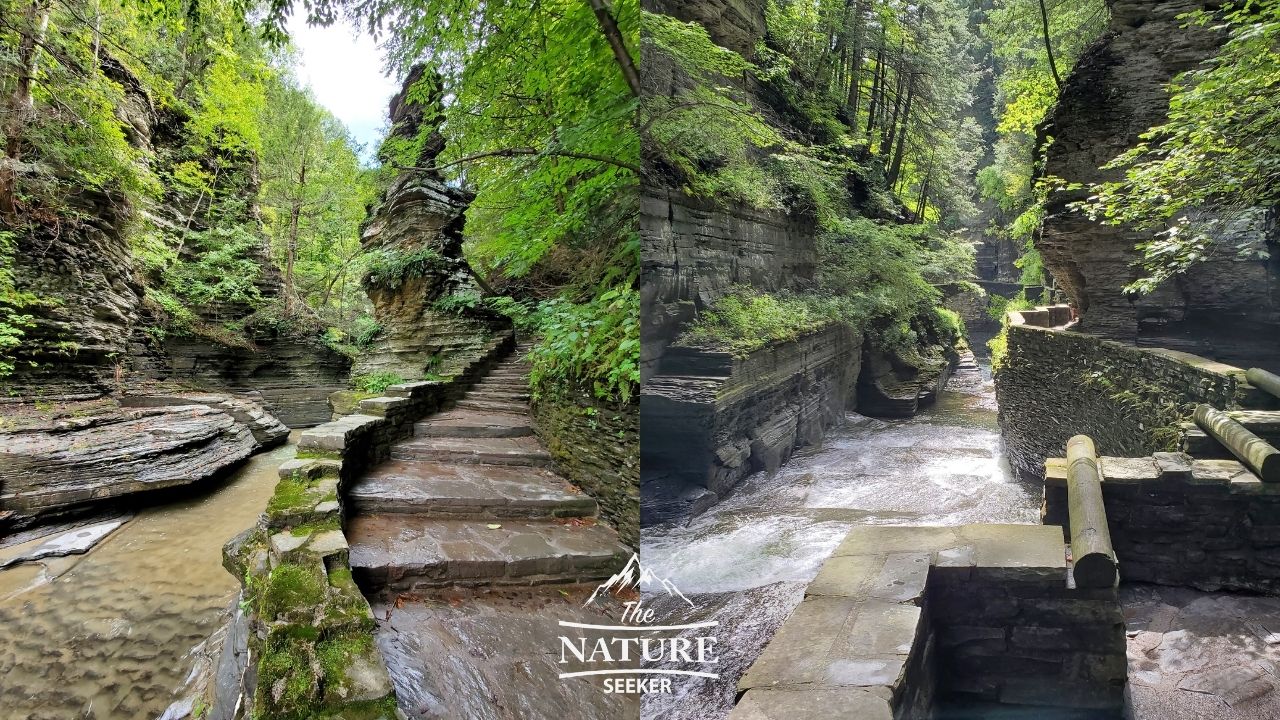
(900, 618)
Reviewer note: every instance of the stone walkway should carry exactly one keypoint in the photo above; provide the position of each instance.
(470, 500)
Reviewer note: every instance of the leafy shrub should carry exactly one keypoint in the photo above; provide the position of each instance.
(13, 322)
(375, 382)
(388, 268)
(596, 342)
(458, 301)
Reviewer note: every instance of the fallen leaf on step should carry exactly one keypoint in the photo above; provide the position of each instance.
(494, 526)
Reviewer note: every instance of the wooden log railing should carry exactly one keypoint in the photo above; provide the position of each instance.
(1259, 378)
(1256, 454)
(1093, 560)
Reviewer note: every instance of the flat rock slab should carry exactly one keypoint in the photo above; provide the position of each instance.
(407, 551)
(494, 406)
(475, 423)
(492, 656)
(125, 452)
(817, 704)
(498, 451)
(72, 542)
(1196, 654)
(460, 490)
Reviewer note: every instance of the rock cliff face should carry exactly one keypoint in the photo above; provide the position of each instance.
(417, 228)
(1225, 308)
(694, 252)
(89, 338)
(97, 456)
(734, 24)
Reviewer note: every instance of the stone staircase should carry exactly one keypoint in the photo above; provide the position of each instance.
(470, 499)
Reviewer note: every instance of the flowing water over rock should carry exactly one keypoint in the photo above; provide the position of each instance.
(115, 632)
(746, 561)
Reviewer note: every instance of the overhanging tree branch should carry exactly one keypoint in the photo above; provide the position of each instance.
(609, 26)
(517, 152)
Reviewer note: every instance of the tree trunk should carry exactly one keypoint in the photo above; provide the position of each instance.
(873, 105)
(1048, 47)
(609, 26)
(855, 58)
(291, 249)
(20, 106)
(896, 168)
(889, 131)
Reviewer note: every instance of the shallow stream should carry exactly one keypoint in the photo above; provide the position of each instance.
(115, 632)
(746, 561)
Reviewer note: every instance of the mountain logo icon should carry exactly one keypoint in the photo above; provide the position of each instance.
(636, 576)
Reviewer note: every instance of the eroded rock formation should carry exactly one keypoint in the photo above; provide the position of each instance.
(85, 460)
(417, 231)
(1225, 308)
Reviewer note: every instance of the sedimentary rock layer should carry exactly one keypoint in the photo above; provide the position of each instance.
(90, 461)
(711, 418)
(1225, 308)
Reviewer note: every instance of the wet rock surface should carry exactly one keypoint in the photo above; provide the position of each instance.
(493, 655)
(113, 633)
(81, 462)
(1201, 656)
(749, 558)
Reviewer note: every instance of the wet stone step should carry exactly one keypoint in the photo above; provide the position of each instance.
(494, 406)
(497, 451)
(459, 423)
(496, 395)
(405, 552)
(459, 491)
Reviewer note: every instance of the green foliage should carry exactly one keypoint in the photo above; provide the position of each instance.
(1196, 177)
(746, 320)
(458, 301)
(389, 268)
(596, 342)
(375, 382)
(13, 321)
(1025, 93)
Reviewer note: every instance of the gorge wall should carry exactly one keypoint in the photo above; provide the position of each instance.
(1224, 308)
(95, 329)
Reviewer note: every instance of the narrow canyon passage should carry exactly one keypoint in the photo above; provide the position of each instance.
(115, 632)
(747, 561)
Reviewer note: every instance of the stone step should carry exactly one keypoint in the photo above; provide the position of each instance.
(494, 406)
(508, 375)
(464, 423)
(404, 552)
(503, 382)
(496, 395)
(467, 492)
(493, 451)
(1263, 423)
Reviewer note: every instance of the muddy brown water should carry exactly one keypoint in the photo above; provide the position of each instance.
(114, 633)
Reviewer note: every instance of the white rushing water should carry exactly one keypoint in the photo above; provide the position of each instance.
(747, 559)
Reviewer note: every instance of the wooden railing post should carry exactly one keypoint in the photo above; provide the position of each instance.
(1092, 558)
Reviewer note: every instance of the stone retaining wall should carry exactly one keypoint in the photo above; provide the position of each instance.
(1055, 383)
(901, 620)
(313, 628)
(596, 445)
(1209, 524)
(712, 418)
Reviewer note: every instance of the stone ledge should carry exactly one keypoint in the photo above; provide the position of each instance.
(988, 600)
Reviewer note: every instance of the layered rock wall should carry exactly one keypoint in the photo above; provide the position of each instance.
(733, 24)
(416, 230)
(1225, 308)
(694, 252)
(1057, 383)
(711, 418)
